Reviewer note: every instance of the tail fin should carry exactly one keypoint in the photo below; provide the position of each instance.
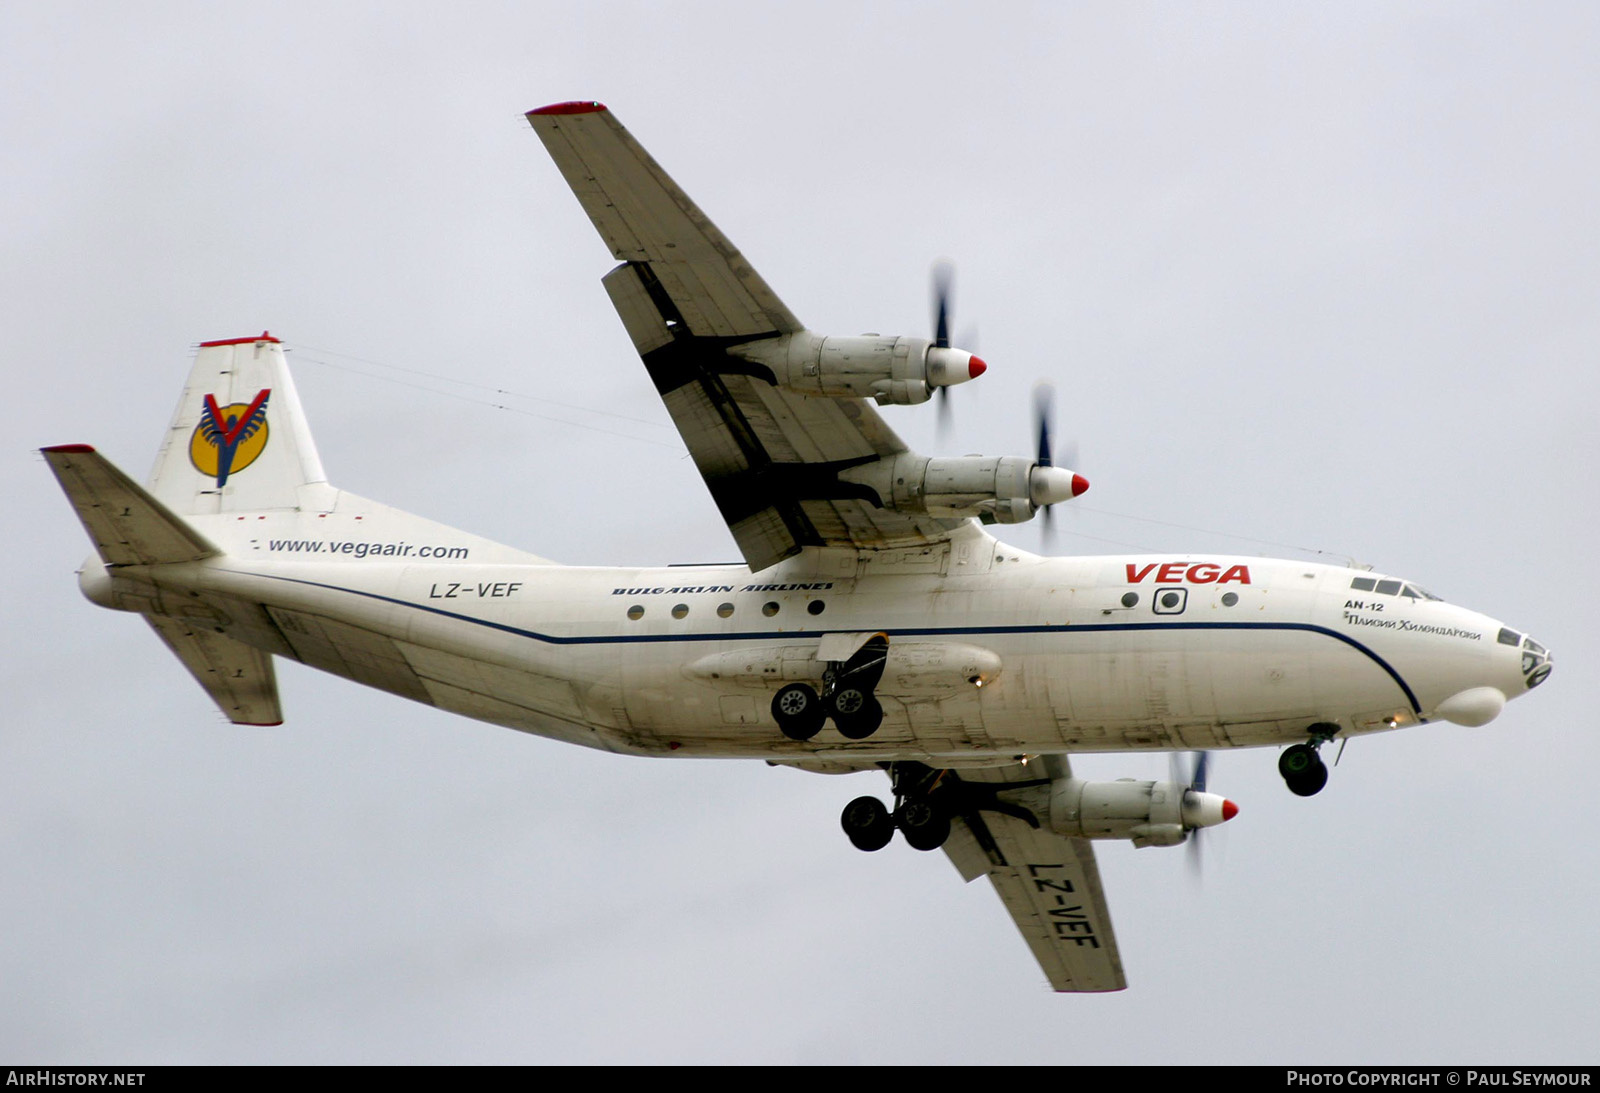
(238, 439)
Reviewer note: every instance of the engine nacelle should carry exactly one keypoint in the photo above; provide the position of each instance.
(995, 489)
(903, 371)
(1149, 813)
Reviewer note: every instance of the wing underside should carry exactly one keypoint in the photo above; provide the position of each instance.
(770, 457)
(1049, 883)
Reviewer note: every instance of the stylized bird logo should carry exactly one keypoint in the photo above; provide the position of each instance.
(225, 429)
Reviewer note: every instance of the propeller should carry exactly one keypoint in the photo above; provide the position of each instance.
(1051, 483)
(1194, 781)
(943, 276)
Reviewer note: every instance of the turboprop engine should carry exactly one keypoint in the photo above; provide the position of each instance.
(903, 371)
(1149, 813)
(995, 489)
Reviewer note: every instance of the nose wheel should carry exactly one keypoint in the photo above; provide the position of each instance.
(1302, 768)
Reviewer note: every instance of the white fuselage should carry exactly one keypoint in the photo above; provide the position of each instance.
(993, 651)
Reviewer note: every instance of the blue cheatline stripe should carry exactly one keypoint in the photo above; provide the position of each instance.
(917, 631)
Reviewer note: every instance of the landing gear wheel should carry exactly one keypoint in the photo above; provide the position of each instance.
(1303, 770)
(923, 825)
(856, 714)
(798, 711)
(867, 823)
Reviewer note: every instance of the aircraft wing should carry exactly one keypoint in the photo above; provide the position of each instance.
(1049, 883)
(685, 294)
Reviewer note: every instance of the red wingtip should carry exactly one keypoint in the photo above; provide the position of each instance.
(568, 108)
(1229, 810)
(976, 367)
(1080, 484)
(72, 449)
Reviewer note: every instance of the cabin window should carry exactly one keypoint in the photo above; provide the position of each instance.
(1170, 601)
(1229, 599)
(1130, 599)
(724, 610)
(770, 608)
(680, 610)
(636, 612)
(816, 607)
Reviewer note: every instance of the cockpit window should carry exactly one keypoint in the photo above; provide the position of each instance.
(1392, 588)
(1509, 636)
(1532, 646)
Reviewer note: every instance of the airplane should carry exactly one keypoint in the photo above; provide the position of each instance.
(873, 624)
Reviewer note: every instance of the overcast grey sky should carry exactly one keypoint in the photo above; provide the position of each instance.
(1315, 275)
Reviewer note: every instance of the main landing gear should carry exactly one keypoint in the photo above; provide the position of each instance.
(1302, 768)
(847, 697)
(925, 800)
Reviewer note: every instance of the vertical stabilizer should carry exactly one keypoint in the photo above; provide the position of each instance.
(239, 440)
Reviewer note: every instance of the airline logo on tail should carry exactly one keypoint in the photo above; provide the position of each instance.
(229, 438)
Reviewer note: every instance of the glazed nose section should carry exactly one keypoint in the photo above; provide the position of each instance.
(1531, 660)
(1536, 661)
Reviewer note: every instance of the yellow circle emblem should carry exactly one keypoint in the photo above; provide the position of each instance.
(228, 438)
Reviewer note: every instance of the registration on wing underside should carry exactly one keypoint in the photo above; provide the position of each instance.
(1050, 884)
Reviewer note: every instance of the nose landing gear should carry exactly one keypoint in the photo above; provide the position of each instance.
(1302, 768)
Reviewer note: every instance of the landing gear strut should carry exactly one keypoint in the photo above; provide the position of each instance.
(1302, 768)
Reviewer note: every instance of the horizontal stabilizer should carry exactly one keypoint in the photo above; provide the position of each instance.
(127, 524)
(238, 677)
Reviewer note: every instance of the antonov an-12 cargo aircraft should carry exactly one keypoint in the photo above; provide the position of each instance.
(874, 624)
